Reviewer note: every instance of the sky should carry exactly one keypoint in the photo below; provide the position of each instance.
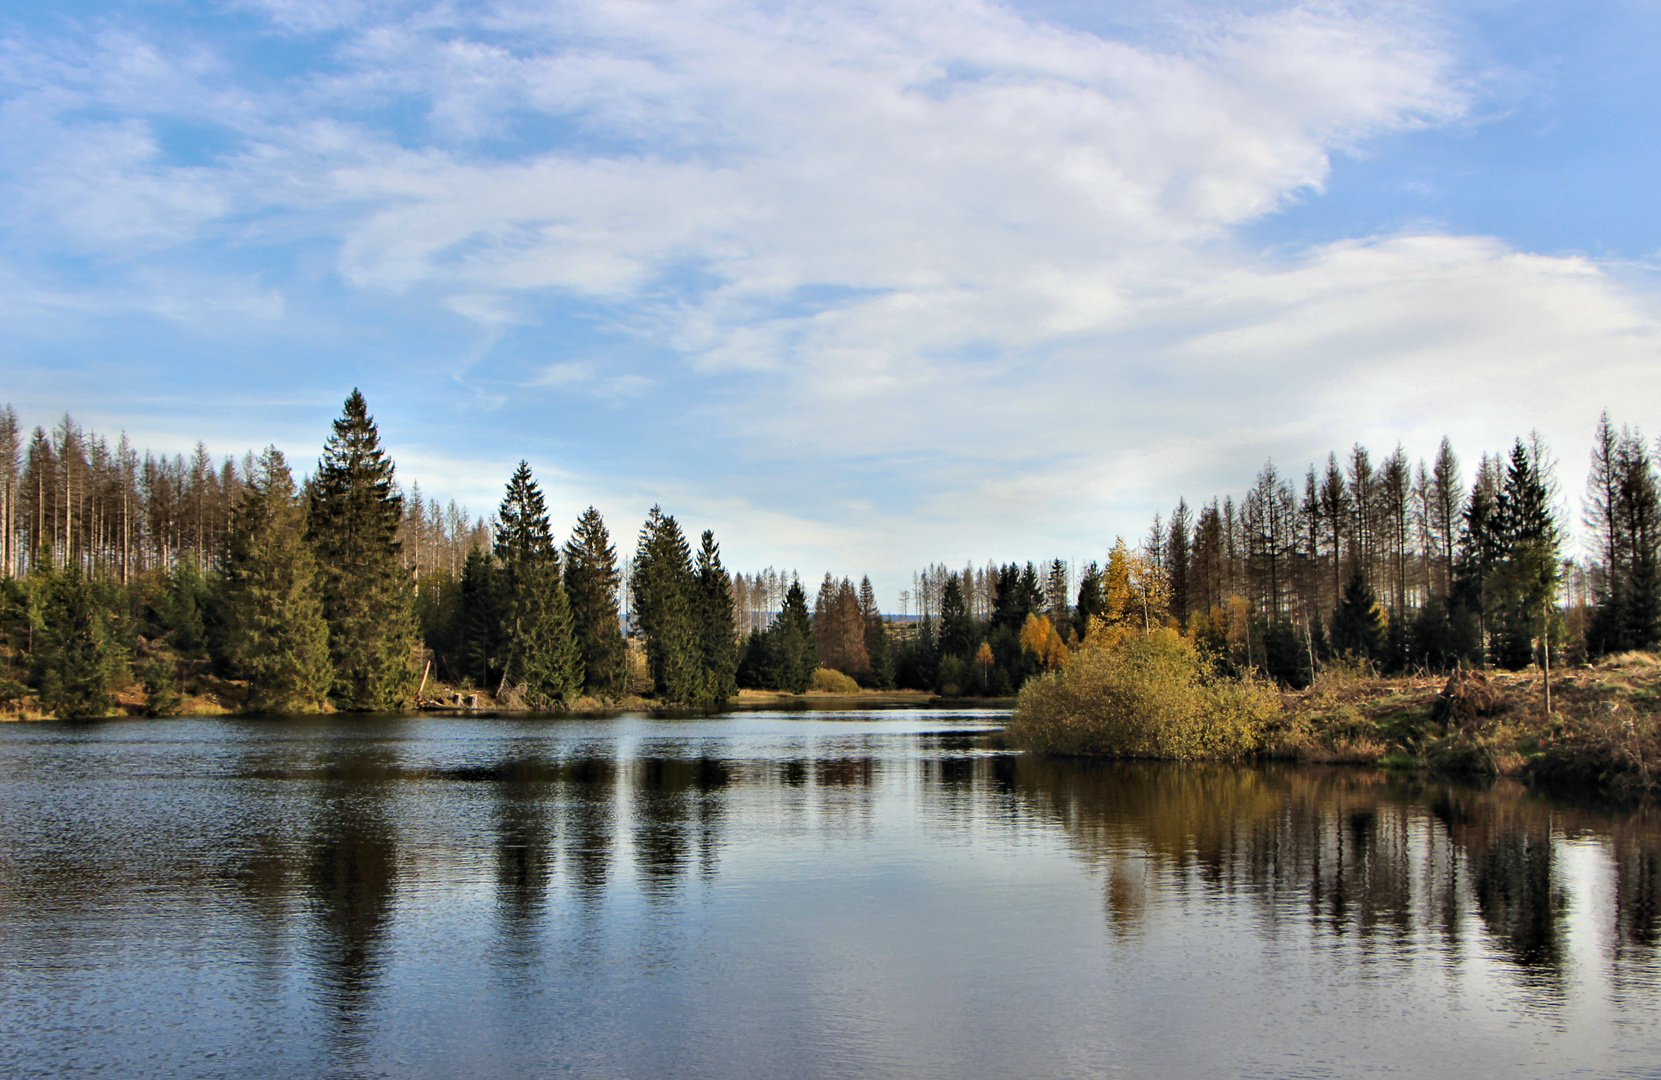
(860, 286)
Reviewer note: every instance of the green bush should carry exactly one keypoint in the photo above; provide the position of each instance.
(828, 681)
(1140, 695)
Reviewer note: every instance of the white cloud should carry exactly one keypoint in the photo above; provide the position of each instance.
(935, 232)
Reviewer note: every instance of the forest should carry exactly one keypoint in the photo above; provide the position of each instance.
(133, 581)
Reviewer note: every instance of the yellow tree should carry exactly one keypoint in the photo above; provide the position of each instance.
(1136, 590)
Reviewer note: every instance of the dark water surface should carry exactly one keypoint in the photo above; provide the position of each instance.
(791, 895)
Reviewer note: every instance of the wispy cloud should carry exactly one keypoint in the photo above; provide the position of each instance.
(973, 272)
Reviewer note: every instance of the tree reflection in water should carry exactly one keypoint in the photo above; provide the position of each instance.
(1356, 852)
(641, 882)
(351, 877)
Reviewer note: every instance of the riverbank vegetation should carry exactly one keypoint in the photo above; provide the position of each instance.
(147, 583)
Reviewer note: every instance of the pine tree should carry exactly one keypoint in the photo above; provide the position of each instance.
(717, 632)
(664, 608)
(1527, 573)
(275, 636)
(79, 654)
(794, 654)
(354, 513)
(957, 628)
(540, 656)
(480, 616)
(1356, 627)
(877, 644)
(591, 581)
(1092, 601)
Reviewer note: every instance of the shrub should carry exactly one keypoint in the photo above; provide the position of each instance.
(828, 681)
(1137, 695)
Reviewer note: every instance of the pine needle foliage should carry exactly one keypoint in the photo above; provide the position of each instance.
(591, 581)
(479, 612)
(275, 633)
(541, 657)
(355, 509)
(80, 654)
(717, 633)
(665, 604)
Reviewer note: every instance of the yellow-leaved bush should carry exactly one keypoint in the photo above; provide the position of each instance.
(1126, 693)
(831, 681)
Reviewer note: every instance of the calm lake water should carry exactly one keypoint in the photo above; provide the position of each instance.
(791, 895)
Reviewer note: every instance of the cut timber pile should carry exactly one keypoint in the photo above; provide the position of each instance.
(1468, 698)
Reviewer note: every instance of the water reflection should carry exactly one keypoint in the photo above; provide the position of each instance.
(375, 865)
(351, 878)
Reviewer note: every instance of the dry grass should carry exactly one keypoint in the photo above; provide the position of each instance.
(1603, 731)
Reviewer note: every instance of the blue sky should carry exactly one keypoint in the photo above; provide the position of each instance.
(861, 287)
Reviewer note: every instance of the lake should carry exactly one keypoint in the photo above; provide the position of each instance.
(792, 894)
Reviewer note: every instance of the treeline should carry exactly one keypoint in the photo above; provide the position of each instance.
(1390, 567)
(302, 594)
(71, 498)
(343, 591)
(336, 592)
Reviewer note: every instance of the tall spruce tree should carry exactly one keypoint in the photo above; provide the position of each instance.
(957, 628)
(591, 581)
(479, 613)
(794, 653)
(540, 653)
(1092, 600)
(275, 635)
(1526, 576)
(877, 644)
(79, 654)
(1357, 629)
(717, 631)
(665, 602)
(354, 513)
(1623, 509)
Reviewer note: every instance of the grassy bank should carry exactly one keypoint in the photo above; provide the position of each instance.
(1602, 733)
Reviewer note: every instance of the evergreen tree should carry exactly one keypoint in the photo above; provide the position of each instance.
(1092, 600)
(717, 633)
(1526, 575)
(79, 655)
(275, 636)
(1623, 509)
(794, 654)
(591, 581)
(1480, 550)
(957, 628)
(665, 602)
(878, 647)
(1356, 629)
(479, 645)
(354, 513)
(539, 652)
(180, 614)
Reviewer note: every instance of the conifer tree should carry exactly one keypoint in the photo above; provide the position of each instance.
(1526, 576)
(79, 654)
(717, 632)
(275, 636)
(354, 512)
(1356, 629)
(1092, 600)
(794, 653)
(957, 628)
(665, 608)
(591, 581)
(479, 613)
(540, 655)
(877, 645)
